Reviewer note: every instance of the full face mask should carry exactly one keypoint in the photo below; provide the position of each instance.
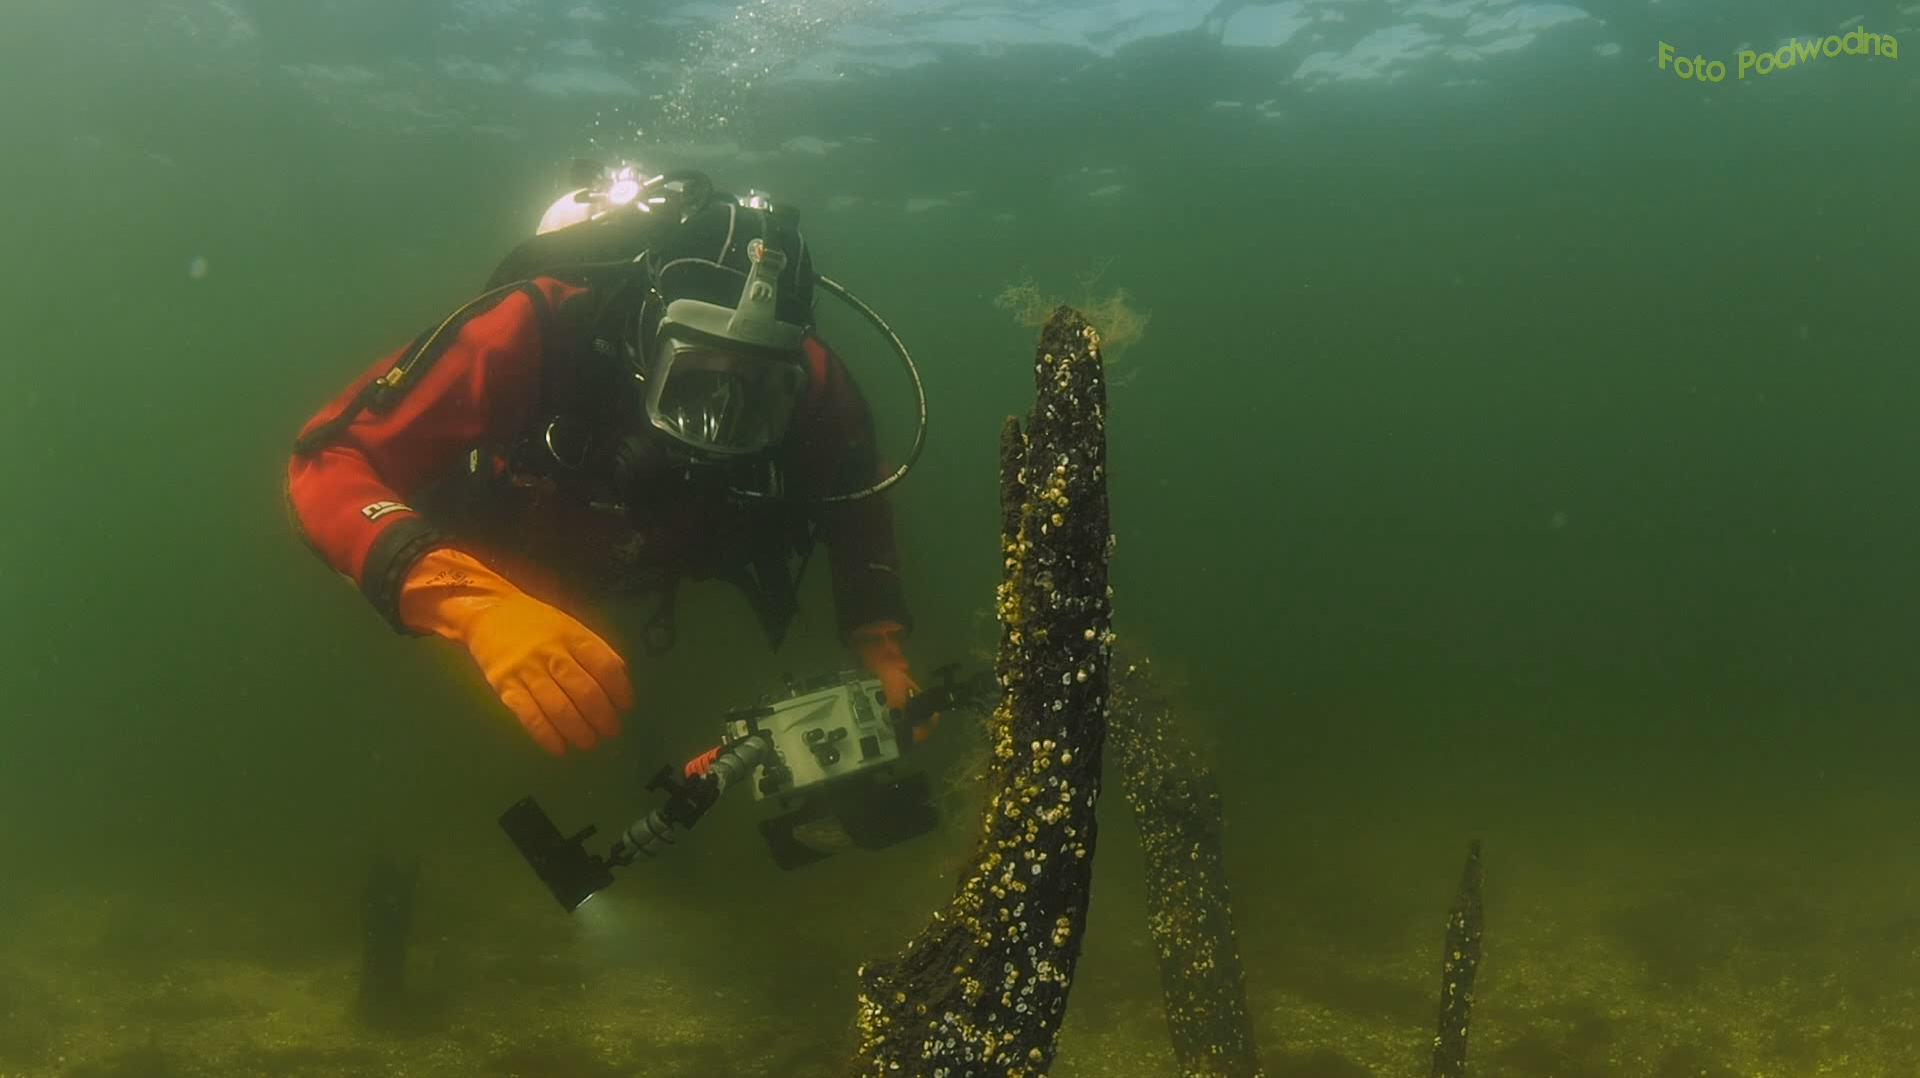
(722, 370)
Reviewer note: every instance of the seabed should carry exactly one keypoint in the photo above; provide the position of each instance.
(1730, 973)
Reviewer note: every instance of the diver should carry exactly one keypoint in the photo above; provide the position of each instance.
(638, 398)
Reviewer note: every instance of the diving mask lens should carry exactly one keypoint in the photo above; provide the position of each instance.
(723, 402)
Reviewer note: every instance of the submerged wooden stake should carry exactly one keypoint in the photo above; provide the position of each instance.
(386, 930)
(980, 992)
(1457, 969)
(1176, 803)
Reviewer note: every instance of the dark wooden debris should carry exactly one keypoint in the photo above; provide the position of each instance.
(1176, 805)
(981, 991)
(1457, 969)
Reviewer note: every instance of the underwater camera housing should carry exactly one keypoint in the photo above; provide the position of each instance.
(824, 758)
(833, 776)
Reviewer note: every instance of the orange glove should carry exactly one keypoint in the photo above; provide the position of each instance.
(879, 648)
(563, 683)
(878, 645)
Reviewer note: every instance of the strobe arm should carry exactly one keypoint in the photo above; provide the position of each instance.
(688, 799)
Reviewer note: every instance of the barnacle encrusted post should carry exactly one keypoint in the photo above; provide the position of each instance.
(1176, 802)
(1457, 969)
(981, 990)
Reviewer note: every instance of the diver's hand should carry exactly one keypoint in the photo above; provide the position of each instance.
(878, 645)
(879, 648)
(563, 683)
